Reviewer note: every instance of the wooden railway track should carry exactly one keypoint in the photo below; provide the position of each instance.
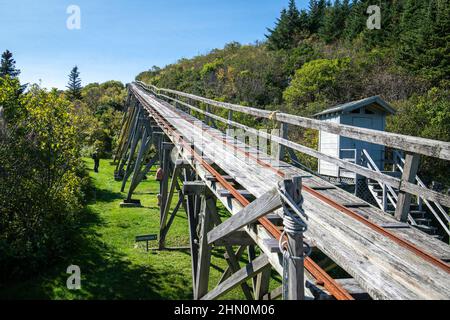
(179, 126)
(426, 256)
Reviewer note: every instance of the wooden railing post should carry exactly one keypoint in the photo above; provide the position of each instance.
(294, 250)
(230, 118)
(409, 175)
(284, 127)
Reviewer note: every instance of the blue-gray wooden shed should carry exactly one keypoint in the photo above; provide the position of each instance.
(367, 113)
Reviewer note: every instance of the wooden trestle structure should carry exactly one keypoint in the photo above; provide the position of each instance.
(277, 207)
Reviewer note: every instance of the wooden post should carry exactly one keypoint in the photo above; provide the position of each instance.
(208, 208)
(295, 279)
(262, 284)
(192, 222)
(130, 131)
(135, 140)
(164, 184)
(145, 143)
(283, 134)
(164, 226)
(230, 118)
(409, 175)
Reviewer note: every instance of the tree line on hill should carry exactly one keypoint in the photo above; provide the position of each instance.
(324, 55)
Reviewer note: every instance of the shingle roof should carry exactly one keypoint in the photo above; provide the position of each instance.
(350, 106)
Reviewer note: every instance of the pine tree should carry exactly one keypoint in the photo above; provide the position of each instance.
(8, 65)
(334, 21)
(289, 28)
(424, 38)
(74, 86)
(317, 10)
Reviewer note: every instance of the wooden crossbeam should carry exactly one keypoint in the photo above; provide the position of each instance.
(265, 204)
(245, 273)
(226, 274)
(237, 238)
(232, 258)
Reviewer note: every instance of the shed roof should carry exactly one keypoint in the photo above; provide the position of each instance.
(350, 106)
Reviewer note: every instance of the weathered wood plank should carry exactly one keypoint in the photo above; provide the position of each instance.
(256, 209)
(238, 277)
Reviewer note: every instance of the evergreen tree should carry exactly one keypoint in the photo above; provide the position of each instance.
(74, 86)
(289, 29)
(317, 10)
(334, 21)
(424, 39)
(356, 20)
(8, 65)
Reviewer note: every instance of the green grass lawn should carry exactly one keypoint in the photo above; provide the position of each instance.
(112, 265)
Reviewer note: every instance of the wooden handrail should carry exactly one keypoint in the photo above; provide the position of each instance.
(428, 147)
(391, 181)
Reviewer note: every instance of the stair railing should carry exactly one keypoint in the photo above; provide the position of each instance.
(389, 193)
(427, 203)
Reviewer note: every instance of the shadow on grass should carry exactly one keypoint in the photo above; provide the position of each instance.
(106, 273)
(104, 195)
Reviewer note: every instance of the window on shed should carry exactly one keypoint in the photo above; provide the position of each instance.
(356, 111)
(367, 111)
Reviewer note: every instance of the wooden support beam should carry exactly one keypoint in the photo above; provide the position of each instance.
(164, 184)
(142, 174)
(210, 177)
(172, 217)
(237, 238)
(249, 271)
(233, 263)
(231, 258)
(267, 203)
(208, 208)
(409, 175)
(262, 284)
(131, 133)
(227, 194)
(194, 187)
(190, 193)
(135, 140)
(166, 205)
(274, 294)
(228, 271)
(251, 253)
(145, 145)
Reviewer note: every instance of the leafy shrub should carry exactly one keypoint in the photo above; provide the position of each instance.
(314, 80)
(41, 180)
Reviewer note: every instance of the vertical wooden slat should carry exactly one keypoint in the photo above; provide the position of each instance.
(409, 175)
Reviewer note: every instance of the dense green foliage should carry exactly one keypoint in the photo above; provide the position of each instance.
(101, 111)
(314, 59)
(41, 178)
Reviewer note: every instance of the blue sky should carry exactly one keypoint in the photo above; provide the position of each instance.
(119, 38)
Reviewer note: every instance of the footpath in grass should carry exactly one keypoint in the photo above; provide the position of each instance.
(112, 265)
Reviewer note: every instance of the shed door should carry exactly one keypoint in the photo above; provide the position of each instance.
(359, 145)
